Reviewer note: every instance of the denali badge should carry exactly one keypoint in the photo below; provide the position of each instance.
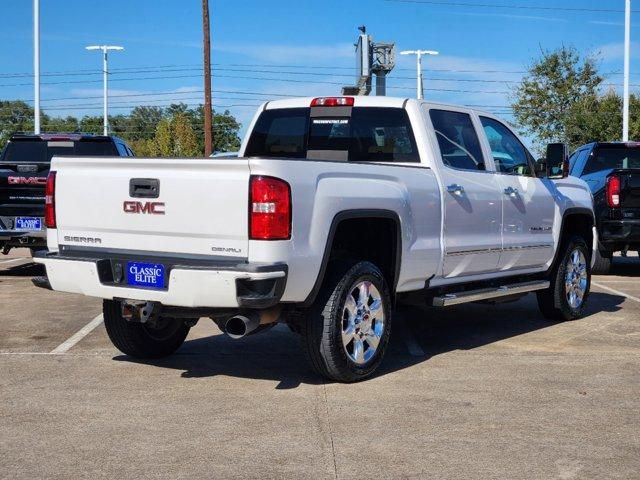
(226, 249)
(151, 208)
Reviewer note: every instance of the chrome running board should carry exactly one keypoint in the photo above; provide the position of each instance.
(489, 293)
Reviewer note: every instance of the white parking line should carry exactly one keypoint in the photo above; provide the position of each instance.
(13, 260)
(617, 292)
(630, 282)
(79, 335)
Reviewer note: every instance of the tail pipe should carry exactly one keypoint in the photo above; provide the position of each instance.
(250, 321)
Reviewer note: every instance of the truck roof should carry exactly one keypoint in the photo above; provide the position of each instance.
(363, 101)
(61, 136)
(616, 144)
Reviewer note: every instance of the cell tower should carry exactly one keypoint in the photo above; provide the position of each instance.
(371, 59)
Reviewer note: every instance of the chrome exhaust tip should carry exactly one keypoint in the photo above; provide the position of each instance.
(249, 322)
(240, 326)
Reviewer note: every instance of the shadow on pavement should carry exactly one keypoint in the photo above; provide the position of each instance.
(277, 354)
(25, 270)
(625, 266)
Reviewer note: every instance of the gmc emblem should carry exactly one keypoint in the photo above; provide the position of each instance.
(27, 180)
(150, 208)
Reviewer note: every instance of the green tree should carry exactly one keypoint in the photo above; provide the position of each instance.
(59, 124)
(185, 143)
(15, 116)
(162, 145)
(91, 124)
(143, 121)
(594, 118)
(142, 147)
(174, 131)
(225, 132)
(174, 138)
(551, 90)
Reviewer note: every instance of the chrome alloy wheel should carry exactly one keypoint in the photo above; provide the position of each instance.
(576, 280)
(362, 322)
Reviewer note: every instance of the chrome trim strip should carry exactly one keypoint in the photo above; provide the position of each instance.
(494, 250)
(472, 252)
(529, 247)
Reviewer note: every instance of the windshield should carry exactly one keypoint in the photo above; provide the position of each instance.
(360, 134)
(609, 158)
(26, 151)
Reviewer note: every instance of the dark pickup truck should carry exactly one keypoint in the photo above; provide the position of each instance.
(24, 166)
(612, 171)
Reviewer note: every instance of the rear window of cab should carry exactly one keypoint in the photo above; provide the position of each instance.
(25, 151)
(364, 134)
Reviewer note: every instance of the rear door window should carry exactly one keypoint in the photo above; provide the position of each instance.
(457, 139)
(122, 150)
(382, 135)
(577, 160)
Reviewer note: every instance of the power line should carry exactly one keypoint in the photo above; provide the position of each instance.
(512, 7)
(266, 79)
(171, 92)
(270, 69)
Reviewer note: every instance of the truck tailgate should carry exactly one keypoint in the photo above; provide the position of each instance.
(199, 206)
(630, 192)
(22, 188)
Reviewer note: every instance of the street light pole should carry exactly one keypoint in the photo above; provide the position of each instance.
(419, 54)
(627, 55)
(419, 85)
(36, 66)
(105, 75)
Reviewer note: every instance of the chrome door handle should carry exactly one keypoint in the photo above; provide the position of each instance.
(512, 192)
(455, 189)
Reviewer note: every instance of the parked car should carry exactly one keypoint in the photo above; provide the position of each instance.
(24, 166)
(224, 155)
(335, 209)
(612, 171)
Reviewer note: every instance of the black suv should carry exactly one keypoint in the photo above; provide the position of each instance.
(612, 171)
(24, 166)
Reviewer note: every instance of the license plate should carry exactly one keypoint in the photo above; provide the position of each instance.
(28, 223)
(149, 275)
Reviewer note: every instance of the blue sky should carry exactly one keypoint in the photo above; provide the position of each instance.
(271, 48)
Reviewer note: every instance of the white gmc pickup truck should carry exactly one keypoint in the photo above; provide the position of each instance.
(334, 209)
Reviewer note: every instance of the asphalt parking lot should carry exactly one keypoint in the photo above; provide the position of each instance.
(475, 391)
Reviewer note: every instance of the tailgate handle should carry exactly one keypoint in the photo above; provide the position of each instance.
(144, 188)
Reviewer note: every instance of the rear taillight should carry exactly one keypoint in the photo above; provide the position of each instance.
(613, 191)
(269, 209)
(50, 201)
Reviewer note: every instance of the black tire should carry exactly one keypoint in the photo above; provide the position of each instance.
(142, 340)
(321, 327)
(602, 265)
(553, 302)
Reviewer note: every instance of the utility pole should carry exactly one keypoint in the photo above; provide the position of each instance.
(36, 66)
(419, 54)
(208, 114)
(105, 88)
(627, 55)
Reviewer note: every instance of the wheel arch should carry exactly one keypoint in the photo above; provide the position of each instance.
(346, 219)
(578, 220)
